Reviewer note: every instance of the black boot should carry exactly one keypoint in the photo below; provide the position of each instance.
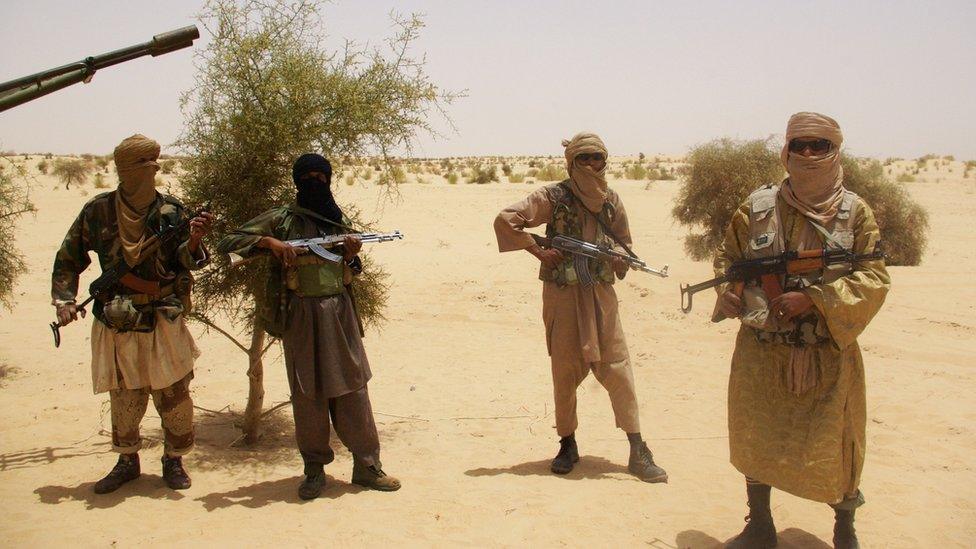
(567, 456)
(311, 487)
(844, 535)
(126, 469)
(760, 533)
(174, 475)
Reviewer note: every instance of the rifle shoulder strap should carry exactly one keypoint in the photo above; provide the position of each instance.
(603, 225)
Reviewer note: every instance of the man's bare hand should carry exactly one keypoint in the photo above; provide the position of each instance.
(199, 227)
(620, 266)
(283, 252)
(790, 305)
(549, 257)
(68, 313)
(352, 244)
(730, 304)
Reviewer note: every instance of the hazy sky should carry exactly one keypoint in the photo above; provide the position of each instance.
(649, 76)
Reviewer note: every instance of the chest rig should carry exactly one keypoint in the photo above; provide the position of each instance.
(767, 238)
(567, 220)
(309, 275)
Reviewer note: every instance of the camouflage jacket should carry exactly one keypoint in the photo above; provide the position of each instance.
(96, 230)
(283, 223)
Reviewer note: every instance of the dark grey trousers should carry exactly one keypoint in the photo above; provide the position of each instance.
(352, 417)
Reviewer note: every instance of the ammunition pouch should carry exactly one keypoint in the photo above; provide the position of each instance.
(123, 314)
(137, 312)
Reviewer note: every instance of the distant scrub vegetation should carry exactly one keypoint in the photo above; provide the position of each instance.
(71, 170)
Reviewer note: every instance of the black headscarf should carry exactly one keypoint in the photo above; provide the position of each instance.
(313, 194)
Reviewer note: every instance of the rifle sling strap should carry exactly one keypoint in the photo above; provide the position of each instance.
(603, 225)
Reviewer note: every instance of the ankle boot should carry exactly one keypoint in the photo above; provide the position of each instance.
(567, 456)
(759, 533)
(844, 535)
(642, 464)
(372, 476)
(174, 474)
(126, 469)
(311, 487)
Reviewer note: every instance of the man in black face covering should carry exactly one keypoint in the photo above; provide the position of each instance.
(308, 305)
(309, 173)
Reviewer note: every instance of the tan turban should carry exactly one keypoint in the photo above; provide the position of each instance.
(135, 160)
(815, 186)
(588, 185)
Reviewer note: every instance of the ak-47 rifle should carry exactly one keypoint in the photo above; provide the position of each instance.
(27, 88)
(103, 287)
(582, 248)
(768, 270)
(318, 245)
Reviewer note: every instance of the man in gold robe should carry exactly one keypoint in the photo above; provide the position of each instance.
(796, 387)
(583, 331)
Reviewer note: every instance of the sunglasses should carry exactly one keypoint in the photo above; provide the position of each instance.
(590, 156)
(816, 146)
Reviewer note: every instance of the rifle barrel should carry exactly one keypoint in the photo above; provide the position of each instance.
(21, 90)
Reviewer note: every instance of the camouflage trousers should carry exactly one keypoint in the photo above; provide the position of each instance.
(175, 408)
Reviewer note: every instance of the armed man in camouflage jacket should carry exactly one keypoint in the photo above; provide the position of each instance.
(140, 343)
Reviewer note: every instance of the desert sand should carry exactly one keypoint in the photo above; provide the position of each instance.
(462, 395)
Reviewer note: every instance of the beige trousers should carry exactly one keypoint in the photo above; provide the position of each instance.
(616, 377)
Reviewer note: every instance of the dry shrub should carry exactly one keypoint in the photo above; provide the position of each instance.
(102, 162)
(904, 223)
(481, 174)
(551, 172)
(167, 166)
(719, 176)
(452, 178)
(516, 177)
(635, 172)
(70, 171)
(42, 167)
(14, 202)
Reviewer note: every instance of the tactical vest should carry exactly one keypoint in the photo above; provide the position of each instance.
(767, 238)
(566, 221)
(310, 275)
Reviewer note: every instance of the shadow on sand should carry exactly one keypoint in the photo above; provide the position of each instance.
(43, 456)
(283, 490)
(146, 486)
(589, 467)
(791, 538)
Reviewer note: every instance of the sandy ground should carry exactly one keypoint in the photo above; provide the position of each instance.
(463, 402)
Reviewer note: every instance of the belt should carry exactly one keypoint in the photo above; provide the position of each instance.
(145, 299)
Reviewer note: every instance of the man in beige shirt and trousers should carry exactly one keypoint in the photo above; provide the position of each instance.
(583, 330)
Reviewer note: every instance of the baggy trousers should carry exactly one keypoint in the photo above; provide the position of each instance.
(352, 417)
(616, 377)
(175, 408)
